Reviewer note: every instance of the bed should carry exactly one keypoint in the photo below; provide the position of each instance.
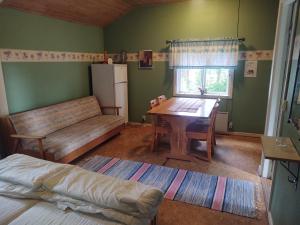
(35, 192)
(24, 211)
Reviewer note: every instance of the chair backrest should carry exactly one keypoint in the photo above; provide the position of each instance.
(214, 115)
(161, 99)
(153, 103)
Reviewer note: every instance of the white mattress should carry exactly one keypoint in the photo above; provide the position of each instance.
(68, 186)
(44, 213)
(11, 208)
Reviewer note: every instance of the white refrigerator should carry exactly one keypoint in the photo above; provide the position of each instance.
(109, 83)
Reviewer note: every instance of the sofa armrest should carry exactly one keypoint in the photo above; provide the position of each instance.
(21, 136)
(115, 108)
(39, 139)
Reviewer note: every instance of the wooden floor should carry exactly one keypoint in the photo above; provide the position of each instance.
(234, 157)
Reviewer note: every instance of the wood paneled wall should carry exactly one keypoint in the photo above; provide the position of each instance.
(92, 12)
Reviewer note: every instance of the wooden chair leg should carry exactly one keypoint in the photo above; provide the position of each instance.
(213, 144)
(212, 149)
(209, 148)
(214, 139)
(155, 141)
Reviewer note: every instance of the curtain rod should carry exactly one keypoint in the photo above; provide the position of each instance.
(206, 40)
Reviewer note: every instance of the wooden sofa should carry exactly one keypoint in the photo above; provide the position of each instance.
(60, 132)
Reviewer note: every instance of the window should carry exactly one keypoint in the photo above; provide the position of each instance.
(216, 82)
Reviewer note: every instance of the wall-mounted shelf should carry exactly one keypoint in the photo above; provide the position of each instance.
(282, 150)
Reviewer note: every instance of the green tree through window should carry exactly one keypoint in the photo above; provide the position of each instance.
(216, 81)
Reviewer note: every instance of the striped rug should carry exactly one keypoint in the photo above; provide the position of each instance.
(214, 192)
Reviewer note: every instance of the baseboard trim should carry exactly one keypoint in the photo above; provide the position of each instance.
(243, 134)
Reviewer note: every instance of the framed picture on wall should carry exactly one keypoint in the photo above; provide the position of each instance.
(250, 69)
(145, 59)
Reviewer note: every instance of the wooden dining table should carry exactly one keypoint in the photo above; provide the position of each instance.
(179, 113)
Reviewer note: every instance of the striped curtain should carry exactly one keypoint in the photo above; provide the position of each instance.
(197, 54)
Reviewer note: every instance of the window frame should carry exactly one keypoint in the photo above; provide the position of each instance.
(230, 87)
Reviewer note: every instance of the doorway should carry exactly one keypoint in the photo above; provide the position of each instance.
(286, 40)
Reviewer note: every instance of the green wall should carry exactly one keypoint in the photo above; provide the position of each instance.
(31, 85)
(150, 27)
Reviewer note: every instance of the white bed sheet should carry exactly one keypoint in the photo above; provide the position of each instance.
(44, 213)
(67, 186)
(11, 208)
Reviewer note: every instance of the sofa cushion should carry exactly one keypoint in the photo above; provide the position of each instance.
(64, 141)
(49, 119)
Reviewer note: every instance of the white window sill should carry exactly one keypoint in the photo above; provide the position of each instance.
(202, 96)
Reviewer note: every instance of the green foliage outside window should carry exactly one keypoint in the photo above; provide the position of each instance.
(215, 81)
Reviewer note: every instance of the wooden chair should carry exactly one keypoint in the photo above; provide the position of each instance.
(161, 127)
(204, 132)
(206, 122)
(214, 127)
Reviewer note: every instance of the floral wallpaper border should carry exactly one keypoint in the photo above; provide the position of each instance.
(262, 55)
(20, 55)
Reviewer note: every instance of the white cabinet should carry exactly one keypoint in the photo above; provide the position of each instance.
(109, 84)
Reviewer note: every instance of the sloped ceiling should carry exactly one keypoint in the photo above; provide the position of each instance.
(92, 12)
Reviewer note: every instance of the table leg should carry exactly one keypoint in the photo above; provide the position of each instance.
(178, 139)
